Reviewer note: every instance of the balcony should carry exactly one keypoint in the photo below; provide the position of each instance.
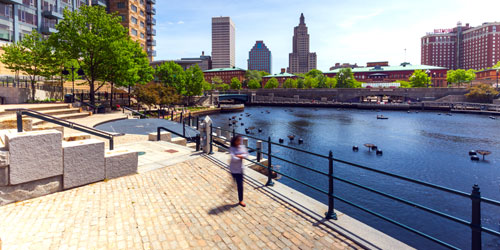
(150, 10)
(151, 32)
(11, 1)
(152, 53)
(151, 21)
(151, 1)
(47, 30)
(151, 42)
(52, 14)
(100, 2)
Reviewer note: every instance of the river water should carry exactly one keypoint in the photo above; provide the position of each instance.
(427, 146)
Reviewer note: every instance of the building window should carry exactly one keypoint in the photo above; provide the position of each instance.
(142, 13)
(142, 24)
(120, 5)
(134, 20)
(142, 35)
(134, 8)
(124, 18)
(134, 32)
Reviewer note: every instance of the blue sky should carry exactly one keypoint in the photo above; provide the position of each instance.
(354, 31)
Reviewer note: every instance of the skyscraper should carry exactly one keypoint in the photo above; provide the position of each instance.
(223, 42)
(301, 61)
(259, 58)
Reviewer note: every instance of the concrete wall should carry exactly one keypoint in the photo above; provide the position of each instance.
(21, 95)
(352, 95)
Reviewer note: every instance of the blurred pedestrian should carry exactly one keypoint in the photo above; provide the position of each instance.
(238, 152)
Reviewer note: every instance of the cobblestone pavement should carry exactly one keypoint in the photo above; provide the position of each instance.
(187, 205)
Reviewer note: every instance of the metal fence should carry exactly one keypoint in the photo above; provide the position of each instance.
(476, 200)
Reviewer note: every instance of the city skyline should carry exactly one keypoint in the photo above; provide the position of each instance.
(343, 32)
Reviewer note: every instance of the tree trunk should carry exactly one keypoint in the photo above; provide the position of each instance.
(92, 93)
(33, 90)
(111, 99)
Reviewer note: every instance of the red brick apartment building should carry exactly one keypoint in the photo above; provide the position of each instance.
(226, 74)
(462, 47)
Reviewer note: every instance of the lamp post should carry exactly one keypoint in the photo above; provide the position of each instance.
(428, 72)
(498, 70)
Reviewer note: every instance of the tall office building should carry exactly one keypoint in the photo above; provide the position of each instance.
(223, 42)
(259, 58)
(138, 18)
(462, 47)
(300, 60)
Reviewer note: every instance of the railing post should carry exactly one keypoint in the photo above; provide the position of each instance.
(182, 119)
(19, 115)
(183, 129)
(234, 133)
(211, 139)
(172, 117)
(198, 122)
(158, 136)
(197, 142)
(269, 164)
(259, 150)
(190, 122)
(111, 143)
(331, 213)
(475, 224)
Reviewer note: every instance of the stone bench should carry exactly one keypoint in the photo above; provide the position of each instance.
(179, 141)
(164, 136)
(83, 162)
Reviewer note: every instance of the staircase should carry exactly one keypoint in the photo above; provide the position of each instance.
(61, 111)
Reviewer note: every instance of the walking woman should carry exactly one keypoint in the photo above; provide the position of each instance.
(238, 152)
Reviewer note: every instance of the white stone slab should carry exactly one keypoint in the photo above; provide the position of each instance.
(164, 136)
(34, 155)
(121, 163)
(179, 141)
(83, 162)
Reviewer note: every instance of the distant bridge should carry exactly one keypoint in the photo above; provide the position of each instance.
(239, 97)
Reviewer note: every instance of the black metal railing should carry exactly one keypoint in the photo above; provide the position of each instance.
(141, 115)
(64, 123)
(476, 199)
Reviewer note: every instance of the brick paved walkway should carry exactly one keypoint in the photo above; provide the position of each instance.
(187, 205)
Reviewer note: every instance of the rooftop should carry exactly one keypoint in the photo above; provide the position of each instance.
(408, 67)
(225, 69)
(280, 75)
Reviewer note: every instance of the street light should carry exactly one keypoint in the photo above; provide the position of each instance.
(428, 72)
(80, 73)
(498, 70)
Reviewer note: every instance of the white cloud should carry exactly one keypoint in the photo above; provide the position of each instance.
(180, 22)
(351, 21)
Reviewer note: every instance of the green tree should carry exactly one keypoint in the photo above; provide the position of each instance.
(331, 82)
(217, 80)
(252, 75)
(194, 79)
(89, 35)
(481, 93)
(254, 84)
(496, 66)
(460, 76)
(127, 65)
(322, 81)
(272, 83)
(33, 56)
(171, 74)
(311, 82)
(235, 83)
(207, 86)
(222, 86)
(404, 84)
(263, 73)
(345, 78)
(314, 73)
(290, 84)
(148, 94)
(419, 79)
(300, 83)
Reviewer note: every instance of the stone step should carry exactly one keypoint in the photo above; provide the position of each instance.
(35, 107)
(54, 112)
(64, 117)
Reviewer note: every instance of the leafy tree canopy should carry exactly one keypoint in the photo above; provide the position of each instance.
(481, 93)
(314, 73)
(272, 83)
(254, 84)
(290, 84)
(235, 83)
(171, 74)
(460, 76)
(345, 79)
(419, 79)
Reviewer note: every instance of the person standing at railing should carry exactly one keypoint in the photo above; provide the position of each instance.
(238, 152)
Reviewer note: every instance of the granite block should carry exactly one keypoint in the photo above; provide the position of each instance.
(164, 136)
(83, 162)
(121, 163)
(34, 155)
